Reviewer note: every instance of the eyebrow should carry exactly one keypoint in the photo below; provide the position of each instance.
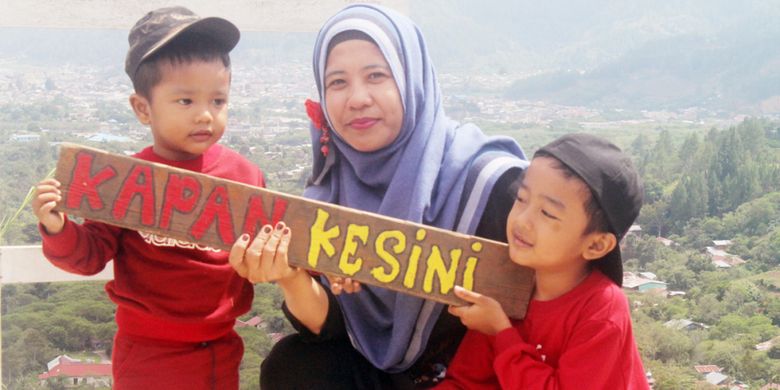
(555, 202)
(367, 67)
(190, 91)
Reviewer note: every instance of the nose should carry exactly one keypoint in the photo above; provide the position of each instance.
(204, 115)
(521, 217)
(360, 97)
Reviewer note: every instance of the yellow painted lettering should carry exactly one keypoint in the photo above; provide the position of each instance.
(414, 258)
(320, 238)
(400, 245)
(471, 266)
(350, 248)
(435, 266)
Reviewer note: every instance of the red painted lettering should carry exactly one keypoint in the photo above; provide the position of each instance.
(139, 183)
(181, 194)
(256, 216)
(217, 207)
(83, 185)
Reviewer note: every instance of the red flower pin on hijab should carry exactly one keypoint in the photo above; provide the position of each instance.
(317, 117)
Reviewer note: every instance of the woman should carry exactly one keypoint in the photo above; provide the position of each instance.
(384, 146)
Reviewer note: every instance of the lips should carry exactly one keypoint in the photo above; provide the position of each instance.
(520, 243)
(201, 135)
(362, 123)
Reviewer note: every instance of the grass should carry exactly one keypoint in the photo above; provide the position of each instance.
(6, 221)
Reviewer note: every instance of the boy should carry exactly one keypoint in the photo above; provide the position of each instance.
(176, 301)
(576, 201)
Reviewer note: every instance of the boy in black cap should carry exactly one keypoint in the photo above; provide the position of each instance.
(177, 302)
(577, 199)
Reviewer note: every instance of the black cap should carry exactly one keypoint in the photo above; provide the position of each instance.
(159, 27)
(613, 181)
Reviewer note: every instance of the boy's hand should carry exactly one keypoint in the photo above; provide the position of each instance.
(47, 194)
(265, 258)
(484, 315)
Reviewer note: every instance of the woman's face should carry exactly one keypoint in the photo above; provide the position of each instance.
(361, 96)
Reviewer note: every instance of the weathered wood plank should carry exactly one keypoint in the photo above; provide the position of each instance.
(373, 249)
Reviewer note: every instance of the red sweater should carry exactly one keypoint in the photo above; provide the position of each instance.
(164, 289)
(581, 340)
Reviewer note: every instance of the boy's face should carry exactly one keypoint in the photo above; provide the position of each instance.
(187, 109)
(546, 224)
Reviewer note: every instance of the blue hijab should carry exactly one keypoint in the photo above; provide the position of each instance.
(419, 177)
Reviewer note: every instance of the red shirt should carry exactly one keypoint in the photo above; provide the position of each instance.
(164, 288)
(581, 340)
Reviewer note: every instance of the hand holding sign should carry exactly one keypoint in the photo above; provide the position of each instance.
(484, 314)
(47, 194)
(264, 259)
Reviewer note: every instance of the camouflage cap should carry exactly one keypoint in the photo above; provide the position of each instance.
(157, 28)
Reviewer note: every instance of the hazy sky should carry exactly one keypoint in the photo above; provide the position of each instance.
(248, 15)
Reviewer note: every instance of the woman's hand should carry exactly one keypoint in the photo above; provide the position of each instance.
(265, 258)
(484, 314)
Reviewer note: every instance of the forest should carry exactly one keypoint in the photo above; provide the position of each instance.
(718, 184)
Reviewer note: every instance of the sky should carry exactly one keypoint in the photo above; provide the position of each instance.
(248, 15)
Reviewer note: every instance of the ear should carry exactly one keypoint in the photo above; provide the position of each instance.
(599, 244)
(141, 108)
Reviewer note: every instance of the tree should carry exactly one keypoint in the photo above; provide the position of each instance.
(750, 330)
(669, 376)
(28, 353)
(654, 217)
(707, 309)
(774, 352)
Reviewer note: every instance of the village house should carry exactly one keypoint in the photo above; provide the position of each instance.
(632, 281)
(767, 345)
(75, 373)
(711, 374)
(255, 322)
(634, 229)
(720, 258)
(665, 241)
(259, 323)
(721, 244)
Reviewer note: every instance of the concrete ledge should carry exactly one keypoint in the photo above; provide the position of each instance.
(26, 264)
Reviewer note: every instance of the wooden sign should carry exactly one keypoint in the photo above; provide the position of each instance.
(412, 258)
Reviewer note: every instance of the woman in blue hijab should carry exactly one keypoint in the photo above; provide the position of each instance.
(382, 143)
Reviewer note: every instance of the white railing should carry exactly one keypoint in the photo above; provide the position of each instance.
(26, 264)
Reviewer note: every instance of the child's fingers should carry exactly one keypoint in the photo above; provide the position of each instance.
(45, 195)
(236, 257)
(457, 311)
(466, 295)
(46, 208)
(336, 288)
(50, 181)
(351, 286)
(48, 186)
